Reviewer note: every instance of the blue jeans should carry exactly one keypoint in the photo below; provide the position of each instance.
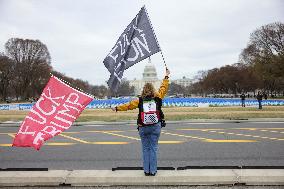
(259, 104)
(243, 103)
(149, 138)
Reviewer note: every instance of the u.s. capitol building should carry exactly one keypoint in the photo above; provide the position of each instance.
(150, 76)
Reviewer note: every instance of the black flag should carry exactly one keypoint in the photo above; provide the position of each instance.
(136, 43)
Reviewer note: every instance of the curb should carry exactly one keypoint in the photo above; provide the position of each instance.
(137, 178)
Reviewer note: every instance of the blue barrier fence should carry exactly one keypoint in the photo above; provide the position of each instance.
(189, 102)
(182, 102)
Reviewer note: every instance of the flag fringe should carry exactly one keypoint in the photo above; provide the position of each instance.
(72, 86)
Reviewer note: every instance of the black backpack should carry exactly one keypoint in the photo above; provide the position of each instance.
(150, 111)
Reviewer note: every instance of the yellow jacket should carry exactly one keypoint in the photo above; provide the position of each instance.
(134, 103)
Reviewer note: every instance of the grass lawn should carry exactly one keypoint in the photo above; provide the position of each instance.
(171, 113)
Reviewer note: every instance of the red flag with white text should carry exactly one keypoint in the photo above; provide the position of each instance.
(57, 108)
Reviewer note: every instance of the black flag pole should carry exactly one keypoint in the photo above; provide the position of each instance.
(156, 38)
(164, 60)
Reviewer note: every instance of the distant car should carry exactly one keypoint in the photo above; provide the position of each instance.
(8, 100)
(179, 95)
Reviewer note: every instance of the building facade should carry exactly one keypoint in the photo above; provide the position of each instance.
(149, 76)
(185, 82)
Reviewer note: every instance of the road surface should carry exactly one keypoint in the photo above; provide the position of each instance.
(111, 145)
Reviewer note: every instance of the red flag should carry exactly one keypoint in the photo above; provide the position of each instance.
(57, 108)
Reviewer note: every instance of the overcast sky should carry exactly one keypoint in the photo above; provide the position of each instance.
(193, 34)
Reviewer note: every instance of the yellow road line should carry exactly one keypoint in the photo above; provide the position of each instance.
(239, 134)
(123, 136)
(248, 128)
(66, 132)
(190, 129)
(170, 142)
(5, 145)
(247, 135)
(76, 139)
(219, 129)
(58, 144)
(49, 144)
(228, 141)
(109, 143)
(11, 135)
(186, 136)
(271, 131)
(69, 144)
(114, 131)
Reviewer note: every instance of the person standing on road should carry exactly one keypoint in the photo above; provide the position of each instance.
(150, 120)
(259, 99)
(243, 98)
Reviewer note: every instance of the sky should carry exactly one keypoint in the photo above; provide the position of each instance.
(194, 35)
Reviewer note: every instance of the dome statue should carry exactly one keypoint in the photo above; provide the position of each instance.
(150, 73)
(149, 76)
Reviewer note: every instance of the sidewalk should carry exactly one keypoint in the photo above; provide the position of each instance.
(137, 178)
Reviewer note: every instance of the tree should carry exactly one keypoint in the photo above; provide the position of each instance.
(78, 84)
(32, 65)
(175, 89)
(248, 79)
(125, 89)
(234, 78)
(198, 85)
(99, 91)
(261, 66)
(265, 53)
(6, 75)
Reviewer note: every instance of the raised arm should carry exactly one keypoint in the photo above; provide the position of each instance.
(164, 86)
(128, 106)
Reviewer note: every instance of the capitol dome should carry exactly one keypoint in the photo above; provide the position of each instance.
(150, 73)
(149, 76)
